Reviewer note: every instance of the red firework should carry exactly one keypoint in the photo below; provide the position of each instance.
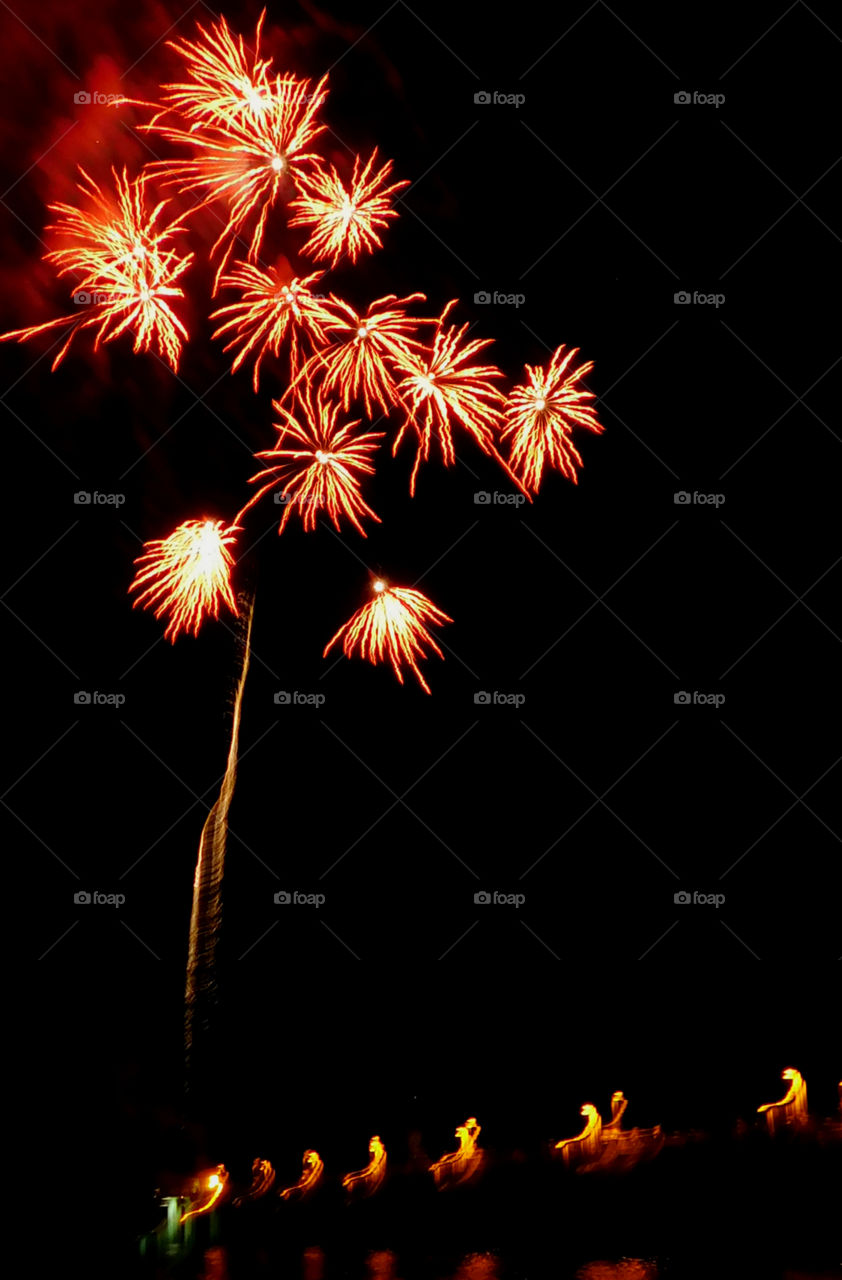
(365, 350)
(245, 159)
(128, 269)
(541, 415)
(269, 311)
(392, 627)
(440, 387)
(323, 473)
(187, 576)
(225, 80)
(346, 219)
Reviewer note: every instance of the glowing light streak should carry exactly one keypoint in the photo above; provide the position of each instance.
(540, 416)
(187, 575)
(346, 220)
(392, 627)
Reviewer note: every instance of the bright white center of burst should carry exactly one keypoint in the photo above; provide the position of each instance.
(277, 163)
(540, 403)
(145, 295)
(139, 251)
(323, 457)
(362, 332)
(427, 383)
(379, 586)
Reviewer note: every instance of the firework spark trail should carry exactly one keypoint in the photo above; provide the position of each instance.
(540, 417)
(206, 912)
(187, 575)
(225, 82)
(364, 350)
(439, 386)
(269, 311)
(392, 626)
(346, 219)
(312, 1169)
(245, 159)
(128, 268)
(323, 475)
(366, 1181)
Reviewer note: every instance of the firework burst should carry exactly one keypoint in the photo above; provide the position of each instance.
(269, 311)
(441, 386)
(322, 474)
(187, 575)
(540, 417)
(392, 626)
(225, 82)
(346, 219)
(246, 159)
(364, 350)
(128, 270)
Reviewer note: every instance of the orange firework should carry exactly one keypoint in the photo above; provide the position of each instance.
(439, 386)
(188, 575)
(267, 312)
(346, 219)
(364, 349)
(541, 414)
(225, 82)
(245, 159)
(128, 267)
(322, 474)
(392, 626)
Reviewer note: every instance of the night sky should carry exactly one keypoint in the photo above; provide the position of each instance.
(400, 1001)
